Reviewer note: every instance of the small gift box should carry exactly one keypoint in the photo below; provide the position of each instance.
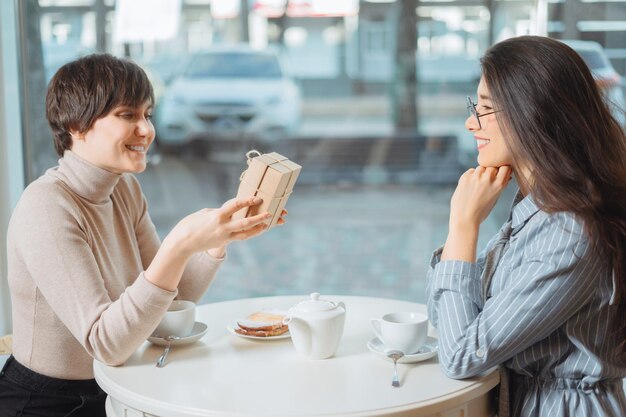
(270, 176)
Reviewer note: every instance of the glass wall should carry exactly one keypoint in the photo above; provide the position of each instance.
(11, 168)
(368, 96)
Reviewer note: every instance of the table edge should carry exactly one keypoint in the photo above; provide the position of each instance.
(489, 380)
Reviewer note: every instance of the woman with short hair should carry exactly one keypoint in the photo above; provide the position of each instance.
(89, 277)
(546, 298)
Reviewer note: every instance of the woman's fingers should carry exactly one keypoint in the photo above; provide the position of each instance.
(246, 234)
(234, 205)
(476, 194)
(281, 220)
(491, 172)
(500, 174)
(234, 226)
(504, 174)
(247, 227)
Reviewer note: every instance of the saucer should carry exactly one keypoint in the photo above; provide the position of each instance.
(232, 326)
(199, 330)
(427, 351)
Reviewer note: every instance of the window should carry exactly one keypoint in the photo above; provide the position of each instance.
(11, 156)
(372, 200)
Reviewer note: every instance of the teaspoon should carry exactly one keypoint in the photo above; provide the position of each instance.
(161, 361)
(395, 355)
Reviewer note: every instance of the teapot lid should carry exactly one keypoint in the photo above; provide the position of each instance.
(315, 304)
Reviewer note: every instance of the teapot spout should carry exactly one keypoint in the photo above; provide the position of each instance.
(300, 335)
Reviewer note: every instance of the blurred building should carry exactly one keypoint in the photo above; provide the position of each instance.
(337, 40)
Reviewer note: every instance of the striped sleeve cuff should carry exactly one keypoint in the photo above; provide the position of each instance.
(458, 276)
(436, 256)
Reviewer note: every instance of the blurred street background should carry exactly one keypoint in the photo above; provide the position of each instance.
(369, 96)
(368, 210)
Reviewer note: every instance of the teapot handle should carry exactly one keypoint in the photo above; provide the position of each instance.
(341, 304)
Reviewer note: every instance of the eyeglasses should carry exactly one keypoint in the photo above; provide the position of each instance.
(471, 111)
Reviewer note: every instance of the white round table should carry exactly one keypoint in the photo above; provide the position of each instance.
(230, 376)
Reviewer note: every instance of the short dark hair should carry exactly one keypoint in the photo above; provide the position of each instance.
(84, 90)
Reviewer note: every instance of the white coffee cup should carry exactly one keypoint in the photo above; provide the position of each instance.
(178, 320)
(405, 331)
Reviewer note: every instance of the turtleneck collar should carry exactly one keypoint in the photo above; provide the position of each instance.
(89, 181)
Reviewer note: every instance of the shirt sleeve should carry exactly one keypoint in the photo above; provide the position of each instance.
(555, 270)
(473, 269)
(55, 249)
(198, 276)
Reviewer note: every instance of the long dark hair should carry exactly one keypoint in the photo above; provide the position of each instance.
(558, 126)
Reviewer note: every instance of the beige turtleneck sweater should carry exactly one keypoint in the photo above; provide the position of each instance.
(78, 242)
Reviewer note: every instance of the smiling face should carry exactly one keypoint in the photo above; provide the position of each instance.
(119, 141)
(492, 149)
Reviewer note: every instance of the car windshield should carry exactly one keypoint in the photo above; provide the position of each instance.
(234, 65)
(593, 59)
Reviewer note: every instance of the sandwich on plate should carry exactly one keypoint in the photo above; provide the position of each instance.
(264, 323)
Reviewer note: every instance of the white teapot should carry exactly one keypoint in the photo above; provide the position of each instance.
(316, 326)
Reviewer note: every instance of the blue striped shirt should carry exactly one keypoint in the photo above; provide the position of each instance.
(547, 318)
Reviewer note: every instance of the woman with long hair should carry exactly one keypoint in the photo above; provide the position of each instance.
(545, 300)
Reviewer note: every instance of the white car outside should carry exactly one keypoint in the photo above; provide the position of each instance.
(229, 92)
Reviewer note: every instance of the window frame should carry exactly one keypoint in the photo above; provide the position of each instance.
(12, 178)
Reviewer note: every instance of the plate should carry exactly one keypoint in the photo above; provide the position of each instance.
(232, 326)
(199, 330)
(426, 352)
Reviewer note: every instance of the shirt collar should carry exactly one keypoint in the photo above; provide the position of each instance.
(89, 181)
(522, 210)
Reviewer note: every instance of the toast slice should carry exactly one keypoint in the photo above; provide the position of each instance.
(264, 323)
(263, 333)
